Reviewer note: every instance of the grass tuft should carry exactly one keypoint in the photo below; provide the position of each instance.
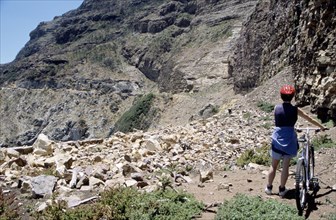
(128, 203)
(258, 156)
(248, 207)
(323, 141)
(265, 106)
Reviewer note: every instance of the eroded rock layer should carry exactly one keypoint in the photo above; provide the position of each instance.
(300, 34)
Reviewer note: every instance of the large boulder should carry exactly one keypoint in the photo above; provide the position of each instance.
(43, 146)
(43, 185)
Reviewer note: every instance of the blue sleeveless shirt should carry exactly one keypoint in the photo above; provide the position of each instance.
(284, 139)
(285, 115)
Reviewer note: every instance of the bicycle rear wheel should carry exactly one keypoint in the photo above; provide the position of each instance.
(300, 186)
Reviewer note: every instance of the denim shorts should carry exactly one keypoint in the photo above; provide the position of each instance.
(278, 156)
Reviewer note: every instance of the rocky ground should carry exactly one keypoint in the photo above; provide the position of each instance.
(252, 180)
(199, 158)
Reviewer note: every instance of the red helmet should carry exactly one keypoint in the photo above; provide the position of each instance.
(287, 90)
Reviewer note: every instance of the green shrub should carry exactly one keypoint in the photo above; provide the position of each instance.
(258, 156)
(266, 118)
(330, 124)
(139, 116)
(220, 31)
(247, 115)
(323, 141)
(255, 208)
(265, 106)
(128, 203)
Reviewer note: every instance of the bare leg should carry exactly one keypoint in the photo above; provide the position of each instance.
(272, 171)
(284, 173)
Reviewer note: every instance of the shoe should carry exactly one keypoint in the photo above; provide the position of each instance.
(282, 191)
(268, 190)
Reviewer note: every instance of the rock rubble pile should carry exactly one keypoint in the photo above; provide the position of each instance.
(79, 170)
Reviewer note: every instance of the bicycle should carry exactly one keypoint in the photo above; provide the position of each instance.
(305, 180)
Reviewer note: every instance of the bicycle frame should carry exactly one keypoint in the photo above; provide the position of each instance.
(304, 176)
(306, 151)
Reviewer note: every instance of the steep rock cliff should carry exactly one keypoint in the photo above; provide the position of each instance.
(298, 34)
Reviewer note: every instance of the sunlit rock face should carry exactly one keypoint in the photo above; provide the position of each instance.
(295, 34)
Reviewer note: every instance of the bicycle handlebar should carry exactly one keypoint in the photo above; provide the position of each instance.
(307, 129)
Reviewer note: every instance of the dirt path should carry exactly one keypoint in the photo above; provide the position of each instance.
(252, 182)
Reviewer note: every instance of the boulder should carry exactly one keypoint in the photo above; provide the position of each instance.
(12, 153)
(43, 185)
(94, 182)
(20, 161)
(151, 145)
(131, 182)
(206, 175)
(2, 155)
(24, 149)
(43, 146)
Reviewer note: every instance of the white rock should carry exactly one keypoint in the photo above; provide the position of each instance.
(94, 182)
(43, 146)
(206, 175)
(63, 159)
(151, 145)
(137, 176)
(60, 170)
(255, 166)
(12, 153)
(2, 155)
(72, 200)
(131, 182)
(41, 206)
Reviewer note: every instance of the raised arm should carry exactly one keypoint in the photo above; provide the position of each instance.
(310, 119)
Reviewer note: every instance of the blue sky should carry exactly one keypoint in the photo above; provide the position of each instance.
(19, 17)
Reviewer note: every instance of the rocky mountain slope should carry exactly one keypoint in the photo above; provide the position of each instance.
(296, 34)
(80, 72)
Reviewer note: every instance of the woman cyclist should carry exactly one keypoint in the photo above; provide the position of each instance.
(284, 139)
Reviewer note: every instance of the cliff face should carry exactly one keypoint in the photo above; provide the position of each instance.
(81, 71)
(297, 34)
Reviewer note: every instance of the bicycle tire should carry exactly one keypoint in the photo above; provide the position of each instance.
(300, 186)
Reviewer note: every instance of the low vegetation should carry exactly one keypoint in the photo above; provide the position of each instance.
(128, 203)
(330, 216)
(8, 208)
(139, 116)
(265, 106)
(323, 141)
(253, 207)
(258, 156)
